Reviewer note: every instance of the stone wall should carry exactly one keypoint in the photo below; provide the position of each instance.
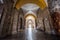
(6, 18)
(20, 20)
(54, 9)
(44, 21)
(56, 22)
(15, 21)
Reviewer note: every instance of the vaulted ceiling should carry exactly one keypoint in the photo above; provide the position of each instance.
(41, 3)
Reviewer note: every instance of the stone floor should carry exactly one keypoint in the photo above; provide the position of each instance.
(31, 34)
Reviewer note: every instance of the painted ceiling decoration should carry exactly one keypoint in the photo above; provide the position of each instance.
(40, 3)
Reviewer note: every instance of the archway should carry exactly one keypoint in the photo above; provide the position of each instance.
(30, 11)
(30, 21)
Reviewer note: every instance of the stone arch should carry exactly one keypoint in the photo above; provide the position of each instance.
(29, 20)
(30, 15)
(30, 23)
(33, 20)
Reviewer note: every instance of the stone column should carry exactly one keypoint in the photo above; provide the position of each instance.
(18, 23)
(47, 25)
(11, 22)
(2, 22)
(15, 20)
(23, 23)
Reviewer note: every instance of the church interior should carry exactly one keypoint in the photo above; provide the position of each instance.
(29, 19)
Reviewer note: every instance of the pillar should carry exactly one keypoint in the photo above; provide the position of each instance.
(2, 21)
(15, 22)
(47, 28)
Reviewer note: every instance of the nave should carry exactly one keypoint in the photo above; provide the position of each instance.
(29, 19)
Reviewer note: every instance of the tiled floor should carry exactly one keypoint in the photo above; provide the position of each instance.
(31, 34)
